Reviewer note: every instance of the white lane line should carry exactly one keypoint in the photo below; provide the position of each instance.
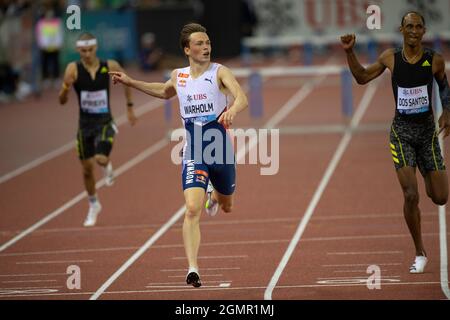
(363, 105)
(120, 170)
(214, 257)
(443, 231)
(203, 269)
(184, 283)
(32, 275)
(37, 288)
(55, 262)
(203, 276)
(360, 264)
(357, 271)
(18, 254)
(339, 278)
(149, 106)
(443, 251)
(363, 253)
(27, 281)
(298, 97)
(185, 289)
(139, 252)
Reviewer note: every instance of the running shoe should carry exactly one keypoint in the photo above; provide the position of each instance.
(194, 279)
(419, 265)
(94, 210)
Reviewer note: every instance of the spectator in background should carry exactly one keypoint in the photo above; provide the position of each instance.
(248, 18)
(150, 55)
(49, 34)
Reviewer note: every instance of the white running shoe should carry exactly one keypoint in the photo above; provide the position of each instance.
(109, 174)
(419, 264)
(211, 206)
(94, 210)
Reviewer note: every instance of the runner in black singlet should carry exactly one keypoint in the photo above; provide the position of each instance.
(413, 139)
(96, 129)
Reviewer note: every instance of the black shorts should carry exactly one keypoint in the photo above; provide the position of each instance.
(95, 139)
(415, 143)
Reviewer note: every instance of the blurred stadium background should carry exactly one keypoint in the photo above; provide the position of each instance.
(144, 33)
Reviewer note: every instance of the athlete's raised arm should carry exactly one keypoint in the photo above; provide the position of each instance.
(364, 75)
(240, 103)
(163, 90)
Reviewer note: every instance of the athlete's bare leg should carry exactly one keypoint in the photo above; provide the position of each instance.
(408, 181)
(88, 175)
(436, 183)
(225, 202)
(194, 198)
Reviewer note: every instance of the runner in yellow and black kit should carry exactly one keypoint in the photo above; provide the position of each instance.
(96, 130)
(413, 139)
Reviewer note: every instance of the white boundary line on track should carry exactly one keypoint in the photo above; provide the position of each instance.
(123, 168)
(363, 105)
(224, 288)
(147, 107)
(294, 101)
(442, 210)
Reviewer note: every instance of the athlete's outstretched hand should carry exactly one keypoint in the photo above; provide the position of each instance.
(226, 119)
(118, 76)
(348, 41)
(444, 122)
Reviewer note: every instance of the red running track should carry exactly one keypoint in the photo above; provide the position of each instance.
(356, 222)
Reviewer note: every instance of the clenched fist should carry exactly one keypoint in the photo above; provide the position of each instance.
(348, 41)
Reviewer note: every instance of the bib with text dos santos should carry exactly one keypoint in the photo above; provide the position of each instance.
(200, 99)
(412, 84)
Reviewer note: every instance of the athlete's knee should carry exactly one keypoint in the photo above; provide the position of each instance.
(193, 209)
(439, 199)
(88, 171)
(227, 207)
(411, 196)
(102, 160)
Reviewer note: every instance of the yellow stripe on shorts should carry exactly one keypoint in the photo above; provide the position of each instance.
(394, 153)
(392, 146)
(395, 160)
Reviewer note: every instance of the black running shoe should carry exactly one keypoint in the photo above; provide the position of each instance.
(194, 279)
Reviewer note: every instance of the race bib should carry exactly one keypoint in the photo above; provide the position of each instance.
(94, 101)
(199, 114)
(412, 100)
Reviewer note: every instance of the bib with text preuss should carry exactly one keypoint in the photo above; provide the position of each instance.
(412, 100)
(94, 101)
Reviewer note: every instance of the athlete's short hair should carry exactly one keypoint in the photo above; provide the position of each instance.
(414, 12)
(186, 32)
(86, 36)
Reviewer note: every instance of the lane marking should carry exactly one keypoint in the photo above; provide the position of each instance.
(149, 106)
(343, 144)
(298, 97)
(421, 283)
(119, 171)
(364, 252)
(27, 281)
(54, 262)
(361, 264)
(214, 257)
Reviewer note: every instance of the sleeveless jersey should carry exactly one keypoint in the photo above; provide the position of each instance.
(201, 100)
(412, 85)
(93, 95)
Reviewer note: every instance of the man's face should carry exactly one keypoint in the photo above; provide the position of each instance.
(199, 47)
(88, 53)
(412, 29)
